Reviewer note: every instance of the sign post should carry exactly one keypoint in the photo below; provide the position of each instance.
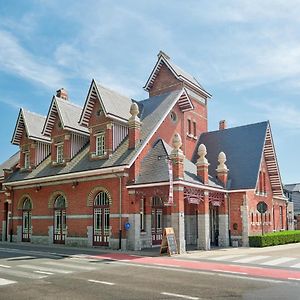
(168, 243)
(262, 207)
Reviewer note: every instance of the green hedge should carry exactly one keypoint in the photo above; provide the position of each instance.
(275, 238)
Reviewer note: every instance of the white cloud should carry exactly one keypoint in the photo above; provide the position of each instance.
(285, 115)
(17, 60)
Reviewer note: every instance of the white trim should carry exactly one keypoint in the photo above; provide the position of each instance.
(190, 184)
(67, 176)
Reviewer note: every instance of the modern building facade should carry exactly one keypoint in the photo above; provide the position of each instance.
(292, 192)
(116, 171)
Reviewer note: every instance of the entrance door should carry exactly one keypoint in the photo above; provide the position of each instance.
(26, 220)
(101, 220)
(156, 220)
(214, 225)
(59, 220)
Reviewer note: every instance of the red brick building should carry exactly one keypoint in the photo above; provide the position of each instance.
(116, 171)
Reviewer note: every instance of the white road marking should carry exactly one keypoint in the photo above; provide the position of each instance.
(293, 278)
(6, 281)
(21, 274)
(38, 268)
(250, 278)
(43, 272)
(296, 266)
(164, 265)
(278, 261)
(5, 266)
(20, 258)
(179, 296)
(250, 259)
(102, 282)
(230, 272)
(225, 257)
(67, 265)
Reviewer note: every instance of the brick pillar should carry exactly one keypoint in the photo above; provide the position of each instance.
(203, 224)
(109, 139)
(134, 124)
(67, 148)
(177, 217)
(224, 223)
(222, 170)
(32, 155)
(202, 164)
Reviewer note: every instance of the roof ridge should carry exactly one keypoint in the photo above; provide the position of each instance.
(68, 102)
(240, 126)
(111, 90)
(32, 112)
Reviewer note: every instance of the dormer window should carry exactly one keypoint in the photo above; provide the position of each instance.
(60, 153)
(100, 144)
(26, 160)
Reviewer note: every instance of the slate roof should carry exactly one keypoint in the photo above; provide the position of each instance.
(114, 103)
(33, 123)
(10, 163)
(154, 167)
(243, 147)
(153, 111)
(179, 73)
(69, 114)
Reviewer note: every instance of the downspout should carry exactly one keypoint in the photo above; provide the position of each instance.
(120, 210)
(228, 206)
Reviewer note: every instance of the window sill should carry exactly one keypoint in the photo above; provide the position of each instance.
(58, 164)
(93, 156)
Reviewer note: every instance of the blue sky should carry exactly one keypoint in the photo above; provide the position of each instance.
(245, 53)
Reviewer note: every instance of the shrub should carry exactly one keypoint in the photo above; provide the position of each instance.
(275, 238)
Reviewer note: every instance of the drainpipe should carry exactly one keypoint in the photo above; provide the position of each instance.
(228, 206)
(120, 210)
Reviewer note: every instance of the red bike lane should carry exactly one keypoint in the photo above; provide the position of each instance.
(251, 271)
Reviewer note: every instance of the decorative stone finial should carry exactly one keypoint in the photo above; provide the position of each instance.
(176, 142)
(202, 153)
(134, 111)
(222, 159)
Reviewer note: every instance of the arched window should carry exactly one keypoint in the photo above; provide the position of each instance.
(101, 199)
(27, 204)
(101, 219)
(60, 220)
(60, 202)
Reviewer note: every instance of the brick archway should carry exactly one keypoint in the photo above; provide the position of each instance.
(92, 194)
(21, 201)
(54, 196)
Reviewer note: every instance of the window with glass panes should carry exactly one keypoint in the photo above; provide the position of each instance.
(100, 144)
(26, 160)
(59, 153)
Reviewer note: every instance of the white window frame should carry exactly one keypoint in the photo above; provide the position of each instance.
(100, 144)
(26, 160)
(60, 153)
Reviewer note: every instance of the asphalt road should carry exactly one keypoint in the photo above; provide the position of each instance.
(61, 273)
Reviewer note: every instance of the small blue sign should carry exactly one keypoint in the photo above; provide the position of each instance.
(127, 226)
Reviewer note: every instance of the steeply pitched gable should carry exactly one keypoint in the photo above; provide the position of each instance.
(181, 75)
(32, 124)
(68, 113)
(114, 105)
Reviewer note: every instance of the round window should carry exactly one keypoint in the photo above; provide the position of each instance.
(173, 116)
(99, 112)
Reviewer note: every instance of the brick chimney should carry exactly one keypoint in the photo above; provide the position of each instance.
(134, 124)
(62, 93)
(177, 157)
(222, 125)
(222, 170)
(202, 164)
